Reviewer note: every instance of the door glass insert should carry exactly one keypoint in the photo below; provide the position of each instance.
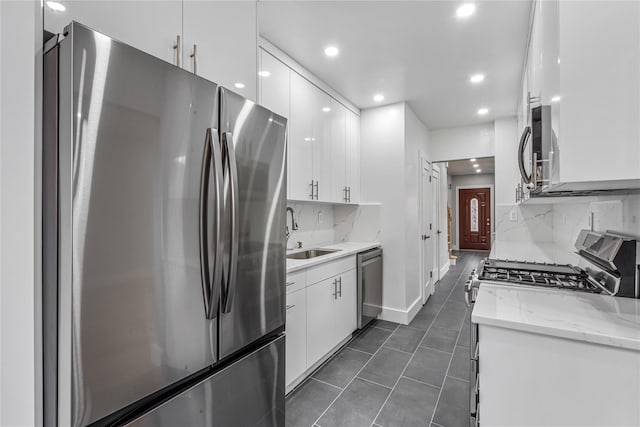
(474, 215)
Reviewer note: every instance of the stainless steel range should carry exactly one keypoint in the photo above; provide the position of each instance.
(609, 265)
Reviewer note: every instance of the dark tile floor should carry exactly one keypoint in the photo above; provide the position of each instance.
(394, 375)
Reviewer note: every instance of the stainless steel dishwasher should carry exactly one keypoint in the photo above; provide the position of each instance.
(369, 286)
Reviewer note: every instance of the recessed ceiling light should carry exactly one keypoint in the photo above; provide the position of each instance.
(264, 73)
(331, 51)
(472, 160)
(378, 98)
(239, 85)
(476, 165)
(54, 5)
(477, 78)
(555, 98)
(478, 170)
(483, 111)
(307, 139)
(465, 10)
(326, 109)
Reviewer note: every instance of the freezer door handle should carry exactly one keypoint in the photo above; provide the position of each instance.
(210, 282)
(232, 169)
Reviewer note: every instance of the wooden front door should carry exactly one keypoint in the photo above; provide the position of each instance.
(475, 218)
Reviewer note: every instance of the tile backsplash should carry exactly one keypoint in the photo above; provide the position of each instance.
(561, 222)
(324, 224)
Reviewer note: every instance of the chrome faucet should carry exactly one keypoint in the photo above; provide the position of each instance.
(294, 223)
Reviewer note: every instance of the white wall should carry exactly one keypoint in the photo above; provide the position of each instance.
(382, 180)
(443, 256)
(506, 163)
(478, 180)
(20, 39)
(462, 142)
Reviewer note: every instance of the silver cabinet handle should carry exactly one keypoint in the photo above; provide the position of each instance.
(316, 186)
(232, 168)
(291, 283)
(289, 307)
(340, 283)
(312, 193)
(344, 194)
(348, 194)
(335, 289)
(521, 147)
(194, 57)
(177, 48)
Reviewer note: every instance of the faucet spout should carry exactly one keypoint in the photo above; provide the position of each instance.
(294, 222)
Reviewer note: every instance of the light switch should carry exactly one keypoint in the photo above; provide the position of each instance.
(514, 215)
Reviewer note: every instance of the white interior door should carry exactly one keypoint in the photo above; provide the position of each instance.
(426, 258)
(437, 232)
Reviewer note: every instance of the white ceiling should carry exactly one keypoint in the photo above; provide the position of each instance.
(465, 167)
(415, 51)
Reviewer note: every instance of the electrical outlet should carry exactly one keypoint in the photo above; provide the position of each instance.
(320, 218)
(514, 215)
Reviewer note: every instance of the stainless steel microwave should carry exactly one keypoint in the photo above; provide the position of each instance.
(538, 152)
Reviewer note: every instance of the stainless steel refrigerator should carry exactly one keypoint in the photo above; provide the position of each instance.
(163, 243)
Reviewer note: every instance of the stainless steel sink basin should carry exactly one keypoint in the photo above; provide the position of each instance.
(311, 253)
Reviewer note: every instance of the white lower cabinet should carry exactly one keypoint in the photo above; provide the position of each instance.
(321, 313)
(296, 332)
(331, 314)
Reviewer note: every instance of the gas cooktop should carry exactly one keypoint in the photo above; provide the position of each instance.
(561, 276)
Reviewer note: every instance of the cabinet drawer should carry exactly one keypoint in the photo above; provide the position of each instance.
(330, 269)
(296, 281)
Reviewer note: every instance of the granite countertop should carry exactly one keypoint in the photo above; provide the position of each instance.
(600, 319)
(533, 251)
(344, 249)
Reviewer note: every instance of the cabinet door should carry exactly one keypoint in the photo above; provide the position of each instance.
(301, 138)
(338, 152)
(152, 27)
(320, 319)
(322, 120)
(533, 61)
(296, 333)
(225, 35)
(274, 80)
(345, 306)
(352, 164)
(600, 85)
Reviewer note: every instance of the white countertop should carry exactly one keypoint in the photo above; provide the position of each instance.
(344, 249)
(532, 251)
(611, 321)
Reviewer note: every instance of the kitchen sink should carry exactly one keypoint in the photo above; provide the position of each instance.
(311, 253)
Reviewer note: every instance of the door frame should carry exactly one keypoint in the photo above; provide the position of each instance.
(436, 199)
(493, 210)
(422, 159)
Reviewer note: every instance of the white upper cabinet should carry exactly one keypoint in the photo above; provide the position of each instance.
(274, 78)
(223, 34)
(152, 27)
(599, 52)
(338, 152)
(301, 180)
(352, 165)
(324, 135)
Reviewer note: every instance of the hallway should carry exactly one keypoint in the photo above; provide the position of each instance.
(395, 375)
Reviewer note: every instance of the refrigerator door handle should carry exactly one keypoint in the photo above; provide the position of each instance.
(230, 289)
(210, 282)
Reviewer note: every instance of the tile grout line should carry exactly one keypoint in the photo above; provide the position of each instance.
(324, 382)
(420, 382)
(446, 373)
(361, 351)
(349, 383)
(413, 355)
(373, 382)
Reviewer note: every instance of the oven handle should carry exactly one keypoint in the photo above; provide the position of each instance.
(467, 292)
(523, 142)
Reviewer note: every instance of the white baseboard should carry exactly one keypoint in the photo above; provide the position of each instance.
(444, 269)
(401, 316)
